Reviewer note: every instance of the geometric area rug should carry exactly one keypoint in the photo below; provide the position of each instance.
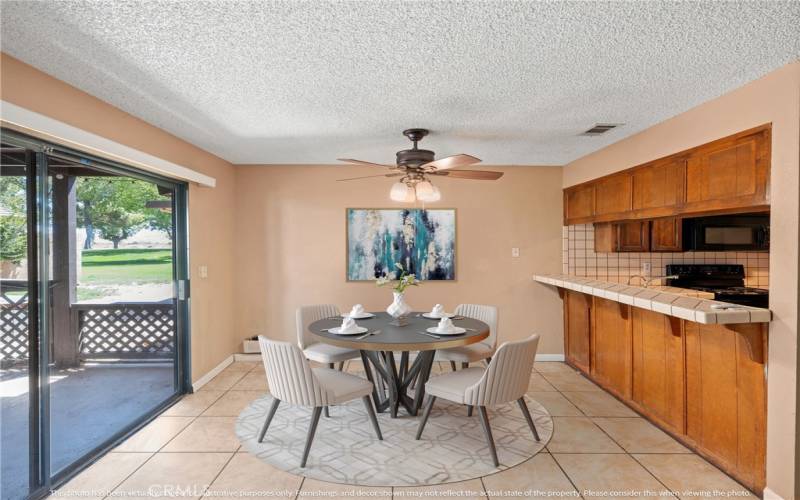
(345, 449)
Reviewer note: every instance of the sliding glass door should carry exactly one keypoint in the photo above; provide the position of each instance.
(96, 340)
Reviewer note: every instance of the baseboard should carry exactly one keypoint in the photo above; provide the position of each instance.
(213, 373)
(549, 357)
(768, 494)
(254, 356)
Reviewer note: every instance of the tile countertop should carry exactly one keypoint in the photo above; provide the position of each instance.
(678, 302)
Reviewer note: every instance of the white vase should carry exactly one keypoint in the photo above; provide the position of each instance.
(398, 309)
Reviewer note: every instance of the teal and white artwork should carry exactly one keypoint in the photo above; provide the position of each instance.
(423, 241)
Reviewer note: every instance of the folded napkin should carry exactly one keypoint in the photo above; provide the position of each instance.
(438, 310)
(445, 326)
(348, 326)
(357, 310)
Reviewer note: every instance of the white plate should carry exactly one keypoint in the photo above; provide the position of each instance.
(363, 316)
(360, 329)
(431, 316)
(456, 331)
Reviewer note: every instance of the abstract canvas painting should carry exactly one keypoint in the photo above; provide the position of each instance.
(423, 241)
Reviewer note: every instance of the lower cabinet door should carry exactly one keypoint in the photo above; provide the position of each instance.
(726, 396)
(611, 346)
(658, 368)
(577, 329)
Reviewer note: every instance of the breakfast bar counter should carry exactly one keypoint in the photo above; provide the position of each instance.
(690, 305)
(693, 366)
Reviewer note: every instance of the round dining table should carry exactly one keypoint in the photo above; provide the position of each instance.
(394, 386)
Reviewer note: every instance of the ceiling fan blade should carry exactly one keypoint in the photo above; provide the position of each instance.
(448, 162)
(478, 175)
(359, 162)
(398, 174)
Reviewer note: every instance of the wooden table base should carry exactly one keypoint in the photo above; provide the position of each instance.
(394, 380)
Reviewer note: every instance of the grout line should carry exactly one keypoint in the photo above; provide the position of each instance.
(485, 492)
(300, 488)
(114, 488)
(558, 464)
(216, 476)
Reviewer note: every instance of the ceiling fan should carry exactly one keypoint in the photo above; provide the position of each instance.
(414, 166)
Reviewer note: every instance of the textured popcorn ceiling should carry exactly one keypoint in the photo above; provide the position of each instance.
(509, 82)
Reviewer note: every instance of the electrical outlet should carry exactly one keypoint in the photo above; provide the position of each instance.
(646, 268)
(515, 252)
(203, 271)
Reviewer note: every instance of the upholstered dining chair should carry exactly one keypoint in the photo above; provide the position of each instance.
(480, 351)
(504, 380)
(312, 347)
(293, 381)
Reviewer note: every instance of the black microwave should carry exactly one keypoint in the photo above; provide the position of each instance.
(727, 232)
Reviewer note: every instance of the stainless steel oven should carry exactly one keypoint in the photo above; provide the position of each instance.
(727, 232)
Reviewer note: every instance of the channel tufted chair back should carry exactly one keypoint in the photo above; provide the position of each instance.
(487, 314)
(507, 377)
(308, 314)
(289, 376)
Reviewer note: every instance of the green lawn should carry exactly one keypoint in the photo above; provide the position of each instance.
(126, 266)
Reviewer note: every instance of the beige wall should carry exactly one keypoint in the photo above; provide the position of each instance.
(774, 98)
(211, 218)
(291, 251)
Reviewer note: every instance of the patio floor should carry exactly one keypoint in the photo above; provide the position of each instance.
(87, 405)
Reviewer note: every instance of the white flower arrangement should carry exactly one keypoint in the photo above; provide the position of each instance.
(400, 284)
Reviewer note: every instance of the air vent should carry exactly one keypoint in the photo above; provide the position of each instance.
(601, 128)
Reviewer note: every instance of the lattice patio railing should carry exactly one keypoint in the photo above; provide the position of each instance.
(125, 330)
(13, 320)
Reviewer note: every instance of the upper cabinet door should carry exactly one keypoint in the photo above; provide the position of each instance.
(578, 204)
(660, 185)
(613, 195)
(732, 173)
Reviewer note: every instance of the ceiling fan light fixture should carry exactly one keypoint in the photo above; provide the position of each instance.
(424, 189)
(400, 191)
(435, 195)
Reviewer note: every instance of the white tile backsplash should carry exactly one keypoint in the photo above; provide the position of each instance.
(580, 259)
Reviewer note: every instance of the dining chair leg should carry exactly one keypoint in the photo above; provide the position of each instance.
(341, 366)
(488, 431)
(272, 410)
(372, 417)
(453, 365)
(469, 410)
(524, 408)
(464, 365)
(332, 366)
(425, 416)
(312, 429)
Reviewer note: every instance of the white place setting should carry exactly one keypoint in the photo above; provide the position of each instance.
(446, 327)
(358, 312)
(438, 312)
(348, 327)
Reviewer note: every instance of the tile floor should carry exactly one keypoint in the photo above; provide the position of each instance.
(600, 448)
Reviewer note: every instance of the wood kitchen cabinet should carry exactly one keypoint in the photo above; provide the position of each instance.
(613, 195)
(729, 173)
(633, 236)
(666, 235)
(577, 329)
(703, 383)
(659, 186)
(578, 204)
(658, 368)
(611, 345)
(726, 396)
